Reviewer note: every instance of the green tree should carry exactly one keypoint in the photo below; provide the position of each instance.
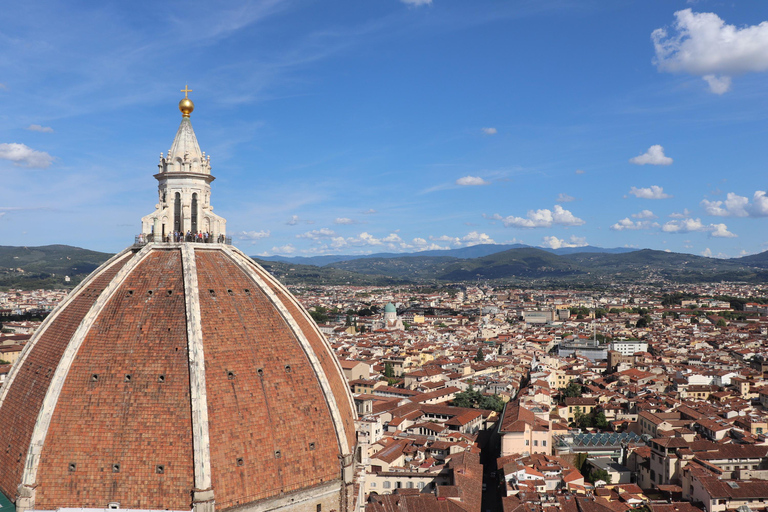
(573, 390)
(389, 371)
(479, 356)
(599, 474)
(721, 323)
(319, 314)
(348, 321)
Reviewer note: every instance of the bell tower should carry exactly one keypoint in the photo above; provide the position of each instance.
(184, 189)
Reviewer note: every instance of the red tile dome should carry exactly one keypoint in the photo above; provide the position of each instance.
(178, 376)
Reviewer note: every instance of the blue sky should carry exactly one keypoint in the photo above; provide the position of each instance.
(348, 126)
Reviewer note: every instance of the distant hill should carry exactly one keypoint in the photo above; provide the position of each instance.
(473, 251)
(45, 267)
(754, 260)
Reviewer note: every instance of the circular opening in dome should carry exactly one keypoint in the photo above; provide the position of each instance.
(159, 469)
(115, 468)
(161, 378)
(72, 467)
(240, 461)
(149, 292)
(231, 375)
(128, 378)
(260, 371)
(94, 377)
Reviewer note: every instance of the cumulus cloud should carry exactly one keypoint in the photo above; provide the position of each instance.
(644, 214)
(543, 218)
(252, 235)
(417, 2)
(293, 220)
(38, 128)
(695, 225)
(344, 220)
(565, 198)
(738, 206)
(683, 226)
(490, 131)
(469, 181)
(284, 249)
(721, 231)
(654, 156)
(317, 234)
(718, 84)
(556, 243)
(702, 44)
(629, 224)
(680, 215)
(471, 238)
(652, 192)
(24, 156)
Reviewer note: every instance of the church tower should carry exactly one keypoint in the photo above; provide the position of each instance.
(178, 376)
(184, 189)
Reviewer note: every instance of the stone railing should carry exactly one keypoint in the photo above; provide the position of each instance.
(143, 239)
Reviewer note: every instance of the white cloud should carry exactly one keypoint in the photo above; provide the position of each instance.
(293, 221)
(471, 238)
(344, 220)
(543, 218)
(24, 156)
(654, 156)
(683, 226)
(317, 234)
(3, 87)
(680, 215)
(579, 171)
(369, 212)
(471, 181)
(695, 225)
(38, 128)
(653, 192)
(644, 214)
(629, 224)
(252, 235)
(417, 2)
(721, 231)
(718, 84)
(284, 249)
(490, 131)
(701, 44)
(556, 243)
(422, 245)
(565, 198)
(707, 253)
(738, 206)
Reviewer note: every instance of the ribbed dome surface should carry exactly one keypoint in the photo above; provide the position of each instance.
(175, 377)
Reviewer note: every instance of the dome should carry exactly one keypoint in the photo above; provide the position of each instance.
(178, 376)
(390, 308)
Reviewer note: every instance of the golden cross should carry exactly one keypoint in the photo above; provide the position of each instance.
(186, 90)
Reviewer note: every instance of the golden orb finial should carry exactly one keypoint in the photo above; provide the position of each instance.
(186, 106)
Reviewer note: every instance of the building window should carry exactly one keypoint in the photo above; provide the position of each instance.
(543, 443)
(527, 442)
(421, 485)
(373, 484)
(387, 485)
(535, 442)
